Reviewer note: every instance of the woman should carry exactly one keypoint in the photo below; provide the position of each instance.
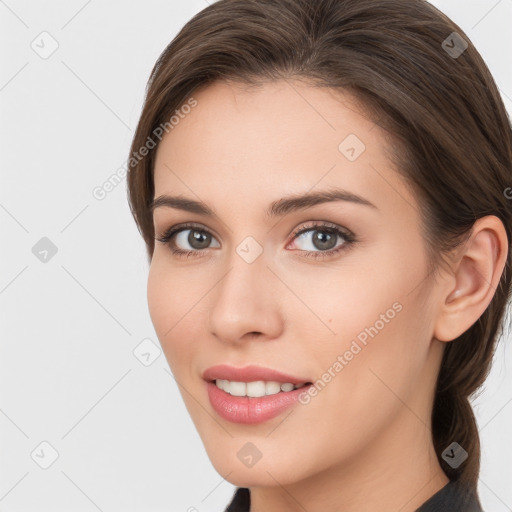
(322, 190)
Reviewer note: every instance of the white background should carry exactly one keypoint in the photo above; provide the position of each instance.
(68, 374)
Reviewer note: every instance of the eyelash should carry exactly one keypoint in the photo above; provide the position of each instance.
(348, 236)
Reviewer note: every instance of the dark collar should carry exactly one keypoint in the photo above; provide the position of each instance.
(453, 496)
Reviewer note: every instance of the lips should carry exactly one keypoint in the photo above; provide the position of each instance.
(250, 373)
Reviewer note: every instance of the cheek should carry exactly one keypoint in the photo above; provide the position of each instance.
(168, 303)
(158, 300)
(382, 323)
(370, 312)
(177, 303)
(359, 298)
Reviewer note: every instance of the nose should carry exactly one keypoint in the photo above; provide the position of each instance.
(245, 303)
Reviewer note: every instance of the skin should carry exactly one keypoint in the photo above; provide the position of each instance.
(364, 442)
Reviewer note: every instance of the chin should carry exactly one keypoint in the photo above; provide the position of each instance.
(267, 471)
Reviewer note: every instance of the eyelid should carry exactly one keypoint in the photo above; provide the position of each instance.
(325, 224)
(167, 233)
(317, 225)
(348, 236)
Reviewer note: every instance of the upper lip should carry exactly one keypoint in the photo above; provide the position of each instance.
(249, 373)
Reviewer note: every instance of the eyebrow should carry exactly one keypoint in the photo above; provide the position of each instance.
(278, 208)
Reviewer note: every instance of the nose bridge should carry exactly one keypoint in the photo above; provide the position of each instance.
(244, 299)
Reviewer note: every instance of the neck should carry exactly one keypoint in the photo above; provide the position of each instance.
(398, 471)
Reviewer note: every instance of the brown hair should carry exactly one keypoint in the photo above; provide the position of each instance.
(443, 111)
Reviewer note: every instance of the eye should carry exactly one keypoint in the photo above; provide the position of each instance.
(192, 235)
(316, 240)
(320, 240)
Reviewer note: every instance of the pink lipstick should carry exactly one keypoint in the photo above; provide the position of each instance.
(252, 394)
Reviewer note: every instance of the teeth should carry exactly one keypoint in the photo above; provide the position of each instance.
(255, 389)
(271, 388)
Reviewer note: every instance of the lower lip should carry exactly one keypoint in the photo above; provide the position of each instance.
(244, 409)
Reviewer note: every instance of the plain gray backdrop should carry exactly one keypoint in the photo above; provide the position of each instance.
(90, 416)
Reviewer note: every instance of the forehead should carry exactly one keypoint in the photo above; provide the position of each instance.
(271, 115)
(284, 136)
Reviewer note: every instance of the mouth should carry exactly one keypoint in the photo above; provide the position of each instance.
(253, 401)
(256, 389)
(252, 379)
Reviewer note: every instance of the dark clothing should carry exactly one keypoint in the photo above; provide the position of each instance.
(453, 497)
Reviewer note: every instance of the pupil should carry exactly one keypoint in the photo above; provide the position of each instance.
(322, 239)
(203, 239)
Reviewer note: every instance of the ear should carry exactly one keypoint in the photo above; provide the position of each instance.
(476, 272)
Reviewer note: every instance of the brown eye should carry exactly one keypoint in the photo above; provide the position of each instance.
(196, 239)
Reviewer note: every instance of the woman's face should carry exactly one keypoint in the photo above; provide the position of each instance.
(359, 317)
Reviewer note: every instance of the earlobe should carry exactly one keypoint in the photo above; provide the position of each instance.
(477, 272)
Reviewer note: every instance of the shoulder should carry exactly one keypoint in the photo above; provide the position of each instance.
(454, 495)
(241, 501)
